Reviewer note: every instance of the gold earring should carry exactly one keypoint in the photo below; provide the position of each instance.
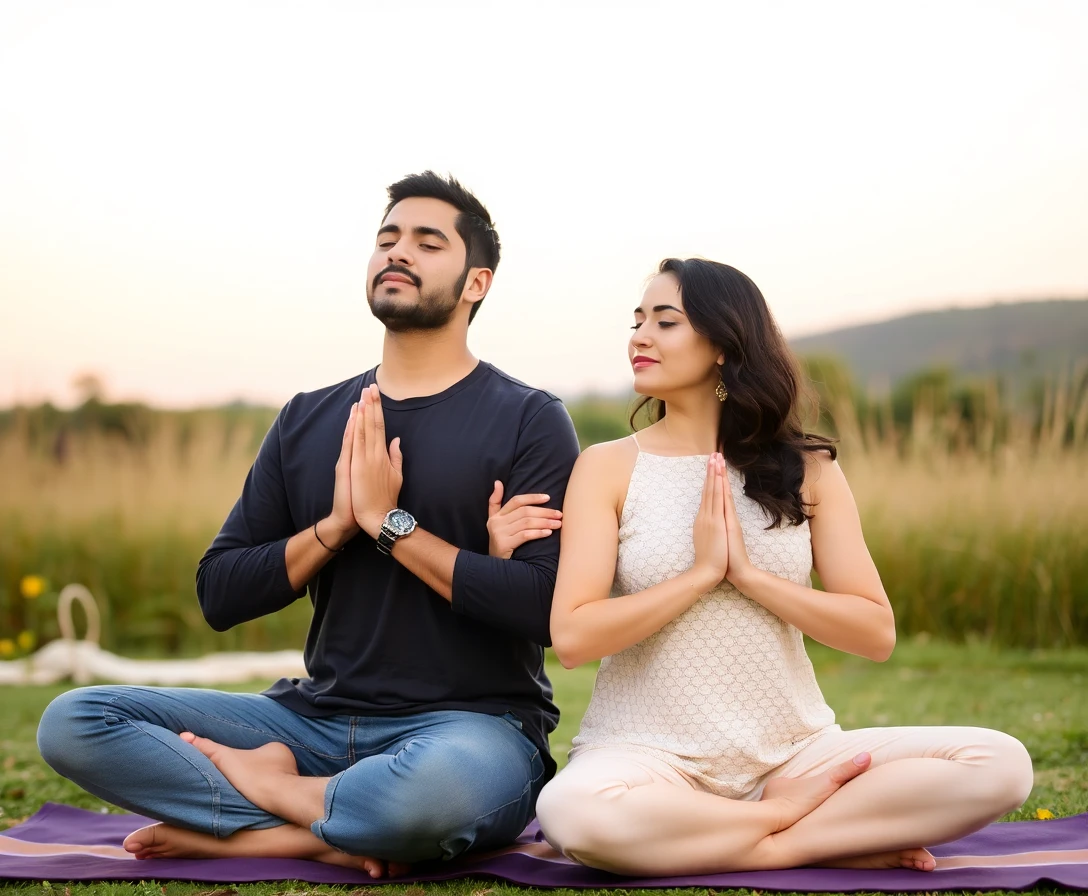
(720, 392)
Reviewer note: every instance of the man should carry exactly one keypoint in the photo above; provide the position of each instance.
(422, 729)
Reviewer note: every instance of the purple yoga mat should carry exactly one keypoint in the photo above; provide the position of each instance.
(60, 843)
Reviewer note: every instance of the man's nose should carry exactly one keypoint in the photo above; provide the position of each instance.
(400, 253)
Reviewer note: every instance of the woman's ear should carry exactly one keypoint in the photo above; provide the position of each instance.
(721, 359)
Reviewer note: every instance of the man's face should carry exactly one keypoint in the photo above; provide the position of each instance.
(416, 274)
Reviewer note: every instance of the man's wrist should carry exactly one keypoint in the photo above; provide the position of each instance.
(334, 535)
(371, 523)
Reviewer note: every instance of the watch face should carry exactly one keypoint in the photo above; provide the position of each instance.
(401, 522)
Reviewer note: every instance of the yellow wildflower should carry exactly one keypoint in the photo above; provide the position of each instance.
(1043, 814)
(32, 586)
(26, 640)
(7, 647)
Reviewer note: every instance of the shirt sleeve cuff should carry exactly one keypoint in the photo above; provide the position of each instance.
(464, 574)
(277, 557)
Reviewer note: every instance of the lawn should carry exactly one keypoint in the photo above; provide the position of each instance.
(1038, 696)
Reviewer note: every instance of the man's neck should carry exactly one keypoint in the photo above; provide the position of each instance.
(421, 363)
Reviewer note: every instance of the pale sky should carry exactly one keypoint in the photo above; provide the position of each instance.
(189, 191)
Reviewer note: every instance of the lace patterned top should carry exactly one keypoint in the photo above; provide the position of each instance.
(725, 692)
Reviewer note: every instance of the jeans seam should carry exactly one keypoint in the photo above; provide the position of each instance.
(479, 818)
(526, 789)
(216, 794)
(326, 813)
(234, 723)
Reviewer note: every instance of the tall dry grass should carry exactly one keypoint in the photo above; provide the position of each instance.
(976, 527)
(129, 519)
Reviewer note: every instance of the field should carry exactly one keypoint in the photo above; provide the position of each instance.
(1035, 695)
(974, 520)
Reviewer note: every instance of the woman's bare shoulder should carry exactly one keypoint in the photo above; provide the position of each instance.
(820, 468)
(605, 456)
(605, 467)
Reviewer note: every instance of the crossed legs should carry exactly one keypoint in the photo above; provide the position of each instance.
(633, 814)
(928, 785)
(457, 781)
(251, 777)
(254, 773)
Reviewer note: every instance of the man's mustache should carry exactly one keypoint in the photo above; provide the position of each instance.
(397, 269)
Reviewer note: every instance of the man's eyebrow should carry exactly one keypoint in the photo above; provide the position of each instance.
(417, 231)
(430, 231)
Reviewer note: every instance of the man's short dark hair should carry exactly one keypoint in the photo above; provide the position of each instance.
(482, 246)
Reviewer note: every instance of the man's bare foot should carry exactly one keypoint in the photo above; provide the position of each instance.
(796, 797)
(286, 842)
(252, 772)
(915, 859)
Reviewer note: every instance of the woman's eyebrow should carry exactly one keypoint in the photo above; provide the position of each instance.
(660, 308)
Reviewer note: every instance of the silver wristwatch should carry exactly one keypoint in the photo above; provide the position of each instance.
(397, 524)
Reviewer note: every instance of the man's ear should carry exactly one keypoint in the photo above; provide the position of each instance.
(477, 284)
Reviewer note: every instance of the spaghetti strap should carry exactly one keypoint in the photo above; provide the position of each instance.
(634, 438)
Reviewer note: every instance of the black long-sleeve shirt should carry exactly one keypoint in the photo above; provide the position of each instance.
(381, 641)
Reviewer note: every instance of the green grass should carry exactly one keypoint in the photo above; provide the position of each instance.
(1035, 695)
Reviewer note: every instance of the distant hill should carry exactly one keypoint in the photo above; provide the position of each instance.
(1020, 339)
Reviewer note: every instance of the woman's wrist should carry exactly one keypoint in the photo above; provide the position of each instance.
(704, 578)
(748, 581)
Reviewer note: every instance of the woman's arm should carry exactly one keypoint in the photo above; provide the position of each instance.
(853, 614)
(585, 624)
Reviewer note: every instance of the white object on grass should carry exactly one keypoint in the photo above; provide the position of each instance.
(83, 661)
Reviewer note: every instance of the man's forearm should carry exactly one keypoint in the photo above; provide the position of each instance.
(428, 558)
(510, 594)
(309, 550)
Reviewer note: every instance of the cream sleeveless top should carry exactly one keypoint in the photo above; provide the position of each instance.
(725, 692)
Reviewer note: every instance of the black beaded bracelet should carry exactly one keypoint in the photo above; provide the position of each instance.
(325, 546)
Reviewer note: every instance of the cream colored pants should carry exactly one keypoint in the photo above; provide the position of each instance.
(588, 813)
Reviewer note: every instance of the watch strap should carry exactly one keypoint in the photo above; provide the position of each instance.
(385, 541)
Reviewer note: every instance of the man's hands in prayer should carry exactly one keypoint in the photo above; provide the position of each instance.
(340, 526)
(376, 471)
(369, 476)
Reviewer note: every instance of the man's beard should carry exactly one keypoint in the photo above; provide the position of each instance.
(433, 310)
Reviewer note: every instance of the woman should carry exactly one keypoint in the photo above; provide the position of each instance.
(706, 712)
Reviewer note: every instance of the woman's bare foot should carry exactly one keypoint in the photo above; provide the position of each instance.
(796, 797)
(285, 841)
(915, 859)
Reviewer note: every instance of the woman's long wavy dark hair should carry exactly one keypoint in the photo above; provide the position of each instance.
(760, 432)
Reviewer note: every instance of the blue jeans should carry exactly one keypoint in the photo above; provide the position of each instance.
(404, 788)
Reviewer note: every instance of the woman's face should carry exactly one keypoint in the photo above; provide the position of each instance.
(666, 353)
